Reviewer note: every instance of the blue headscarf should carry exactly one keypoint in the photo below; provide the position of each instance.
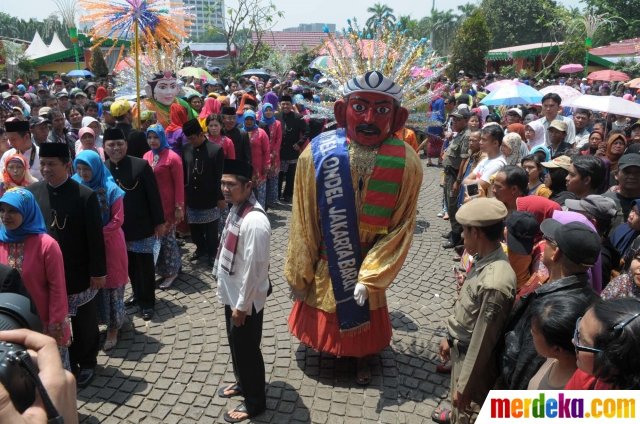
(273, 117)
(547, 154)
(101, 182)
(32, 220)
(159, 130)
(249, 114)
(299, 100)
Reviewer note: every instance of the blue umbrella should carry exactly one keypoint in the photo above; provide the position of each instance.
(511, 95)
(80, 73)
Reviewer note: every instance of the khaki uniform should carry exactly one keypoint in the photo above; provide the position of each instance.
(479, 314)
(456, 153)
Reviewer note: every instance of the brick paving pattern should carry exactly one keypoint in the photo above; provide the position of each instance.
(169, 370)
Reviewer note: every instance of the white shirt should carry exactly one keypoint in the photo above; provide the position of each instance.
(488, 167)
(571, 129)
(582, 138)
(33, 168)
(249, 284)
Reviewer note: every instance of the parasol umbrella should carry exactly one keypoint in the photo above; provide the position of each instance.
(609, 104)
(494, 86)
(187, 91)
(571, 68)
(260, 73)
(321, 62)
(511, 95)
(80, 73)
(192, 71)
(565, 92)
(608, 75)
(634, 83)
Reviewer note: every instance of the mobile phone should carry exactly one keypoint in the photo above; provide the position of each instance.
(472, 189)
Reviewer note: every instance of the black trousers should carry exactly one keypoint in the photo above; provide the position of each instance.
(452, 206)
(83, 352)
(248, 365)
(288, 178)
(205, 237)
(142, 276)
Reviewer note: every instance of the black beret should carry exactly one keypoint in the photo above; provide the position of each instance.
(113, 134)
(237, 167)
(53, 150)
(191, 127)
(15, 126)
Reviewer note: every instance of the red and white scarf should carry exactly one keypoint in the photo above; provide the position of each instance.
(229, 241)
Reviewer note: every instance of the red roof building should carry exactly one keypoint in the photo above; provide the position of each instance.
(290, 41)
(618, 50)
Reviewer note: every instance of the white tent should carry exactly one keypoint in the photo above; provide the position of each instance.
(37, 48)
(56, 45)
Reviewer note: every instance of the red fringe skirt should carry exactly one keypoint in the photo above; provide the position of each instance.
(320, 330)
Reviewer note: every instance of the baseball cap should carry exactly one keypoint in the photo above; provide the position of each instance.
(37, 120)
(522, 228)
(559, 125)
(464, 114)
(630, 159)
(120, 108)
(6, 95)
(44, 111)
(19, 109)
(579, 243)
(515, 110)
(564, 162)
(62, 93)
(597, 206)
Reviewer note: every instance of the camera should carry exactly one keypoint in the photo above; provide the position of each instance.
(17, 311)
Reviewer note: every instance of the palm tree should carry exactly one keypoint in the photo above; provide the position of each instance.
(380, 13)
(411, 26)
(466, 10)
(445, 24)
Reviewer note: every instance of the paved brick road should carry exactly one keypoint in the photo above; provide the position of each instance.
(169, 369)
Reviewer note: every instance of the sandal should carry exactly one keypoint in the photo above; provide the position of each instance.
(166, 284)
(109, 344)
(365, 381)
(240, 408)
(443, 369)
(235, 388)
(442, 417)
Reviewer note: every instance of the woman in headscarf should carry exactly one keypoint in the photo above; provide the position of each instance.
(101, 93)
(272, 99)
(616, 146)
(513, 148)
(518, 129)
(87, 141)
(260, 155)
(214, 127)
(167, 167)
(534, 134)
(211, 106)
(92, 173)
(94, 124)
(16, 173)
(596, 140)
(275, 140)
(175, 136)
(26, 246)
(298, 102)
(485, 112)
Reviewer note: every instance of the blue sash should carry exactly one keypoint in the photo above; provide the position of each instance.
(339, 222)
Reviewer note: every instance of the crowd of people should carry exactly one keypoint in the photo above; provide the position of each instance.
(543, 203)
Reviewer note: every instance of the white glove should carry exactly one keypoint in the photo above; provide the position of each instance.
(297, 295)
(360, 294)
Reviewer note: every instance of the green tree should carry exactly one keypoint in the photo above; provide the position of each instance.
(411, 26)
(465, 10)
(445, 27)
(515, 22)
(629, 66)
(627, 9)
(471, 44)
(17, 63)
(380, 13)
(250, 20)
(98, 65)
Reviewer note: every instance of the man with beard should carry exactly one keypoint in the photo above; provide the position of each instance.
(354, 212)
(295, 133)
(239, 137)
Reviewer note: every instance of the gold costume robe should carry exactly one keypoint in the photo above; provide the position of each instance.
(304, 269)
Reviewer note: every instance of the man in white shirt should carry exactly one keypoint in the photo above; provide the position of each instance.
(551, 110)
(581, 120)
(20, 139)
(242, 271)
(490, 142)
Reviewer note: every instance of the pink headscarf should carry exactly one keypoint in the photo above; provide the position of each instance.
(85, 130)
(628, 97)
